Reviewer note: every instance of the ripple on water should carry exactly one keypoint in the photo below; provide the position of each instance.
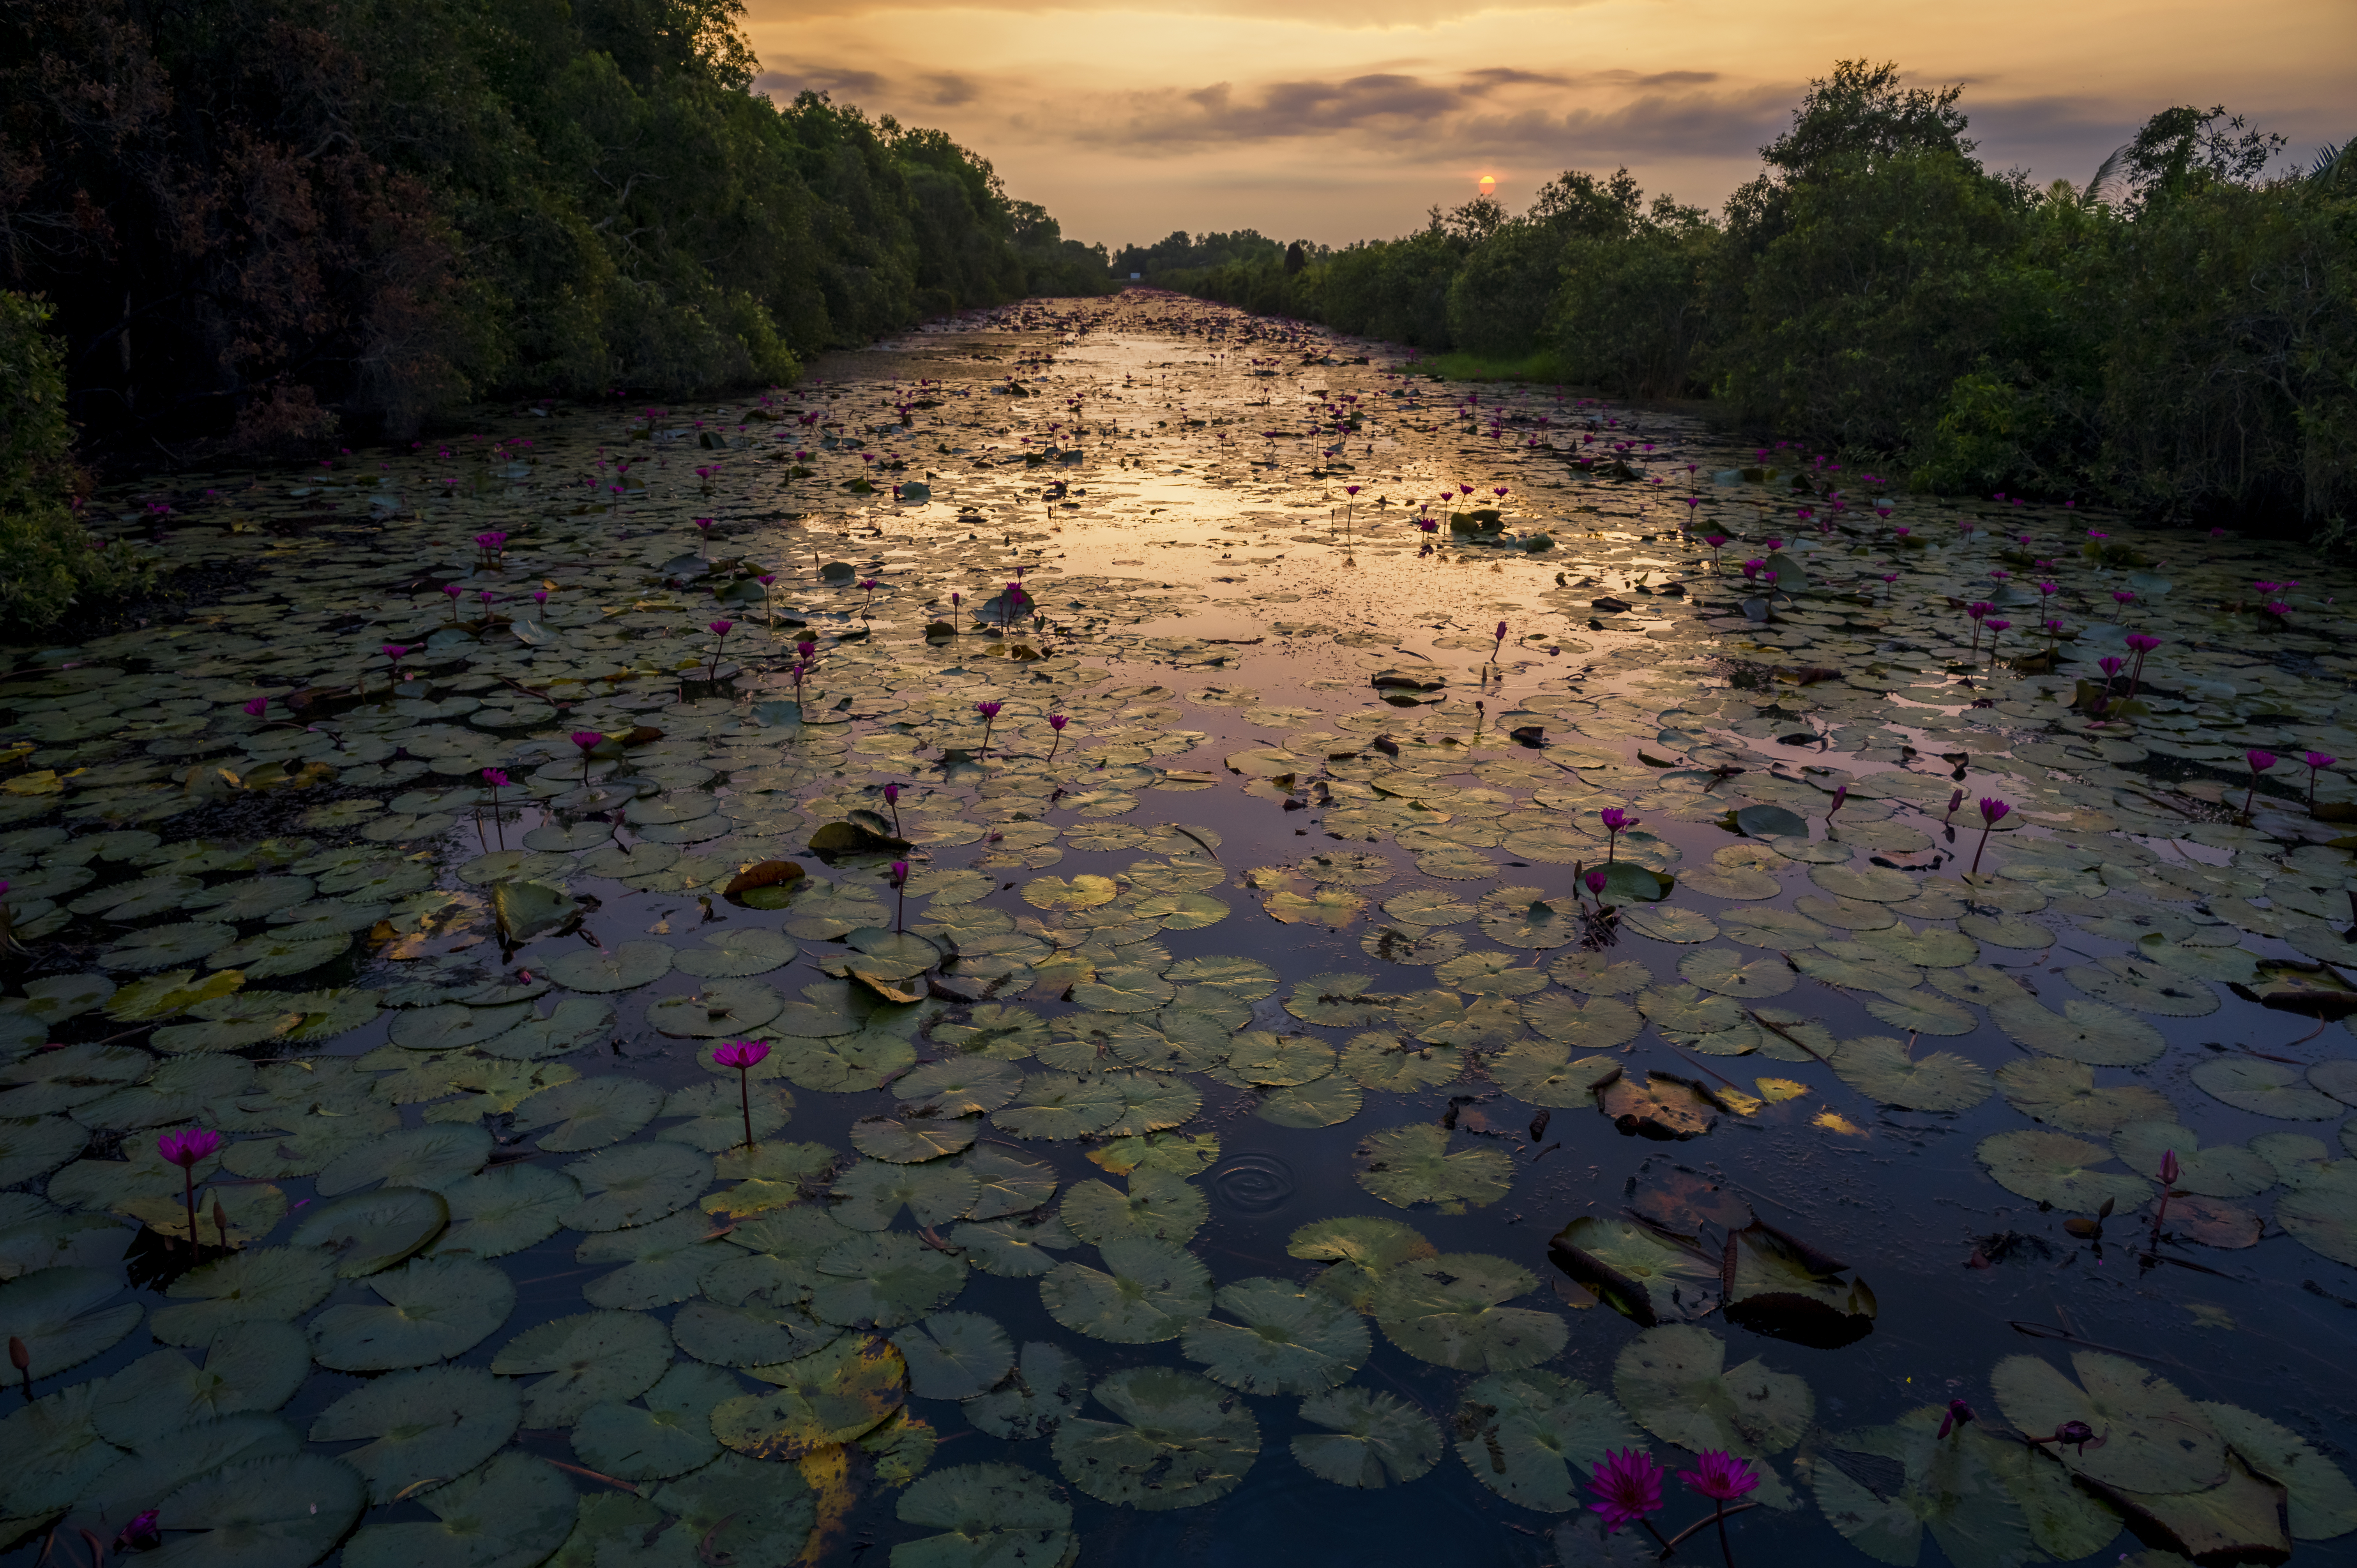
(1251, 1184)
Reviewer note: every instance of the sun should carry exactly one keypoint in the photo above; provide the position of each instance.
(1489, 185)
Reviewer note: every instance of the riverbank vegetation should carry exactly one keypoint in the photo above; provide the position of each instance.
(2179, 335)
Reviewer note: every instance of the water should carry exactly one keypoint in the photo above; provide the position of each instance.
(1213, 605)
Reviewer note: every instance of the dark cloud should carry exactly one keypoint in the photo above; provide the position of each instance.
(851, 86)
(1498, 110)
(947, 91)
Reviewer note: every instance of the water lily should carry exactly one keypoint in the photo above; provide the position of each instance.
(454, 590)
(1957, 1413)
(2316, 761)
(588, 740)
(1056, 722)
(2260, 762)
(1722, 1477)
(1841, 793)
(744, 1056)
(1993, 811)
(989, 712)
(719, 630)
(142, 1534)
(1500, 646)
(1628, 1485)
(892, 804)
(188, 1150)
(2141, 644)
(871, 584)
(1615, 822)
(256, 708)
(1996, 628)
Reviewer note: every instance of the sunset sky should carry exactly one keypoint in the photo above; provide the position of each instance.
(1336, 120)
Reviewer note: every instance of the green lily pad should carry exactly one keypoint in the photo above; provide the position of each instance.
(1728, 973)
(252, 1366)
(1285, 1339)
(1878, 1067)
(1148, 1292)
(668, 1433)
(871, 1195)
(624, 968)
(959, 1085)
(1644, 1273)
(1178, 1440)
(1533, 1436)
(1884, 1487)
(420, 1426)
(1013, 1249)
(2087, 1032)
(2154, 1438)
(636, 1184)
(1545, 1072)
(504, 1210)
(840, 1393)
(1159, 1206)
(1676, 1381)
(429, 1309)
(987, 1514)
(1060, 1105)
(717, 1009)
(283, 1512)
(261, 1285)
(431, 1157)
(2320, 1501)
(66, 1316)
(2148, 988)
(2053, 1168)
(582, 1360)
(1372, 1439)
(884, 1279)
(1407, 1166)
(517, 1508)
(2063, 1094)
(2266, 1089)
(735, 953)
(955, 1355)
(1451, 1310)
(1045, 1391)
(758, 1516)
(590, 1112)
(1390, 1063)
(373, 1230)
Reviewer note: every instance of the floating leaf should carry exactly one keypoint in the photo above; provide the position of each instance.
(1374, 1439)
(1643, 1272)
(955, 1355)
(373, 1230)
(1045, 1391)
(517, 1508)
(2053, 1168)
(2266, 1089)
(987, 1514)
(1148, 1292)
(1878, 1067)
(668, 1433)
(420, 1426)
(430, 1309)
(1408, 1166)
(1287, 1341)
(66, 1316)
(1675, 1380)
(582, 1360)
(2155, 1439)
(1178, 1440)
(1532, 1437)
(1451, 1310)
(842, 1392)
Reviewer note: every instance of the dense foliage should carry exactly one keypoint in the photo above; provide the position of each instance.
(2181, 335)
(46, 560)
(257, 217)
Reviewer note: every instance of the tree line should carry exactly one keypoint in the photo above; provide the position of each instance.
(249, 223)
(2179, 335)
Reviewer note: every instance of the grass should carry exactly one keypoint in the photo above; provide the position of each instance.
(1542, 368)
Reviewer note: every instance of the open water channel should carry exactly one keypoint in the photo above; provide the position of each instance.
(1243, 1138)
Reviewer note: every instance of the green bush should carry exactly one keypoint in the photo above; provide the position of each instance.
(48, 561)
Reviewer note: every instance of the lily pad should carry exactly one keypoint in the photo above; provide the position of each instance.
(2266, 1089)
(1045, 1391)
(955, 1355)
(1676, 1381)
(1534, 1436)
(66, 1316)
(2155, 1439)
(2054, 1167)
(420, 1426)
(667, 1434)
(1148, 1292)
(986, 1514)
(1177, 1439)
(582, 1360)
(1880, 1068)
(430, 1309)
(517, 1508)
(624, 968)
(1284, 1339)
(373, 1230)
(1407, 1166)
(842, 1392)
(1451, 1310)
(636, 1184)
(1372, 1439)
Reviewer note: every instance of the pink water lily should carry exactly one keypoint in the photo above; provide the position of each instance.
(1722, 1477)
(744, 1056)
(989, 712)
(2316, 761)
(588, 740)
(188, 1150)
(2260, 762)
(1628, 1486)
(1993, 811)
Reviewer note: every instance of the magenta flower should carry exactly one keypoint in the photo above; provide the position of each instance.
(495, 778)
(1841, 794)
(188, 1150)
(1056, 722)
(1596, 881)
(2260, 762)
(989, 712)
(2316, 762)
(588, 740)
(1752, 568)
(395, 652)
(257, 707)
(1957, 1413)
(1616, 823)
(1993, 811)
(142, 1534)
(1720, 1475)
(744, 1056)
(1628, 1485)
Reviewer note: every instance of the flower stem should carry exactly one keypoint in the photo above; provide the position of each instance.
(1720, 1517)
(1980, 846)
(188, 1176)
(744, 1101)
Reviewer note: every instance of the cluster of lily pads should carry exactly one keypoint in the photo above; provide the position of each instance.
(550, 916)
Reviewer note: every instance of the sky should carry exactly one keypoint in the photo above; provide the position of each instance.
(1341, 119)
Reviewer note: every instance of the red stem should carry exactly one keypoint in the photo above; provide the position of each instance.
(1977, 848)
(744, 1101)
(188, 1176)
